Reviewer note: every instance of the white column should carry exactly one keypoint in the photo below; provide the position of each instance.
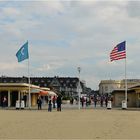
(9, 100)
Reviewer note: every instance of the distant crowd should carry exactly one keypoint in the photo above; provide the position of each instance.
(56, 101)
(52, 101)
(102, 100)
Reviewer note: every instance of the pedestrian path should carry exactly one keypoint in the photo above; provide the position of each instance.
(72, 107)
(64, 106)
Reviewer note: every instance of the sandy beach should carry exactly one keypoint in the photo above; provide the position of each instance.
(70, 124)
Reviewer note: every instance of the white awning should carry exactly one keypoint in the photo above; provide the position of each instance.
(51, 93)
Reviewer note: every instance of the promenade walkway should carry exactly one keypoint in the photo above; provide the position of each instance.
(70, 124)
(75, 107)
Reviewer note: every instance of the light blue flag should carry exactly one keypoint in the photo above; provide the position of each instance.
(22, 53)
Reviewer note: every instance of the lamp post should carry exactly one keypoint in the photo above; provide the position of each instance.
(79, 70)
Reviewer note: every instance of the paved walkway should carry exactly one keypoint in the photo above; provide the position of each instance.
(74, 107)
(70, 124)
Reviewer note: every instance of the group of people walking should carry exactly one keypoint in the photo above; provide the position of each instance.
(53, 102)
(100, 100)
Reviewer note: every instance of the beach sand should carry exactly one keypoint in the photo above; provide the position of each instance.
(70, 124)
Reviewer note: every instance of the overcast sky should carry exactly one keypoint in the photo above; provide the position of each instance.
(64, 35)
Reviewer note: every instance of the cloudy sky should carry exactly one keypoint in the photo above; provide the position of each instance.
(64, 35)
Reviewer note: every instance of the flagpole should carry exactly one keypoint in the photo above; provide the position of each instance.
(125, 84)
(29, 83)
(79, 94)
(21, 55)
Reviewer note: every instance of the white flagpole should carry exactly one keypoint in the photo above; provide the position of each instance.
(29, 84)
(79, 94)
(125, 84)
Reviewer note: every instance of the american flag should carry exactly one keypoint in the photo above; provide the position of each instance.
(119, 52)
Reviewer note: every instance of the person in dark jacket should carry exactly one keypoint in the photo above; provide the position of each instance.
(59, 102)
(54, 100)
(95, 101)
(106, 100)
(82, 101)
(49, 104)
(25, 100)
(39, 102)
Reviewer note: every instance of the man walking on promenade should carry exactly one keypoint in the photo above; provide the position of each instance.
(39, 102)
(59, 102)
(49, 104)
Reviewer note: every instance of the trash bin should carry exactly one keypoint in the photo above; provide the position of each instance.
(22, 104)
(17, 104)
(109, 106)
(124, 104)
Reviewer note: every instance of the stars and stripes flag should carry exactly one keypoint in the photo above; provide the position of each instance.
(119, 52)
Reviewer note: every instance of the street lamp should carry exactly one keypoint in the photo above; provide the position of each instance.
(79, 70)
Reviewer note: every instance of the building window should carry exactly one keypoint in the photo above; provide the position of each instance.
(73, 81)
